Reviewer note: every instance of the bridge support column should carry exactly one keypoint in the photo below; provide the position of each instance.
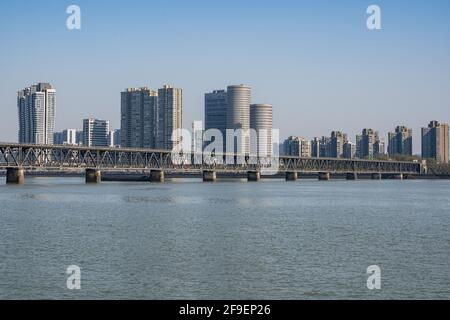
(352, 176)
(291, 176)
(157, 176)
(93, 176)
(324, 176)
(397, 176)
(253, 176)
(209, 176)
(15, 176)
(376, 176)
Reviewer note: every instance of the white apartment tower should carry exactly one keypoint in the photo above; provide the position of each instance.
(36, 108)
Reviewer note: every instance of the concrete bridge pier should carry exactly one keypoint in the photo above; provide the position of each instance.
(324, 176)
(253, 176)
(352, 176)
(397, 176)
(15, 176)
(93, 176)
(209, 176)
(157, 176)
(376, 176)
(291, 176)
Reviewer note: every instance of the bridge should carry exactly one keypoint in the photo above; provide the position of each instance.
(18, 158)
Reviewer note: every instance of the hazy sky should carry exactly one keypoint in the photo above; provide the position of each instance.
(315, 61)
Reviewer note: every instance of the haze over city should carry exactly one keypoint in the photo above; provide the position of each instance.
(317, 63)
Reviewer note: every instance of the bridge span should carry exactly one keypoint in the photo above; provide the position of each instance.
(18, 158)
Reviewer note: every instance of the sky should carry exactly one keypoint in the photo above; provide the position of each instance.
(315, 61)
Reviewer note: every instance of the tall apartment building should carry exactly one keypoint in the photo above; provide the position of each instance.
(337, 141)
(65, 137)
(379, 148)
(79, 137)
(169, 117)
(95, 132)
(36, 110)
(435, 139)
(114, 138)
(238, 116)
(197, 136)
(139, 111)
(349, 150)
(315, 147)
(369, 144)
(325, 147)
(261, 121)
(297, 147)
(400, 141)
(216, 112)
(117, 136)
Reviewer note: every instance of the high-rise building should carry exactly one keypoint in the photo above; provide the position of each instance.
(197, 137)
(379, 148)
(95, 132)
(359, 148)
(261, 121)
(338, 139)
(349, 150)
(139, 108)
(365, 144)
(79, 137)
(297, 147)
(238, 117)
(325, 147)
(315, 147)
(400, 141)
(216, 112)
(170, 111)
(305, 148)
(36, 108)
(117, 137)
(65, 137)
(435, 139)
(114, 138)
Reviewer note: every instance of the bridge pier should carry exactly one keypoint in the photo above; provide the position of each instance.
(15, 176)
(253, 176)
(157, 176)
(209, 176)
(352, 176)
(376, 176)
(291, 176)
(324, 176)
(397, 176)
(93, 176)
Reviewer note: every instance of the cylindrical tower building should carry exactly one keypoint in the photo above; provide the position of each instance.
(261, 120)
(238, 116)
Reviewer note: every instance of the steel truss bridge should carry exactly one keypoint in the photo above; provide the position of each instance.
(27, 156)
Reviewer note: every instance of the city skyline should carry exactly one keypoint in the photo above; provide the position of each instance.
(318, 60)
(150, 119)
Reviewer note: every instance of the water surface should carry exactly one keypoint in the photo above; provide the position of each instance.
(227, 240)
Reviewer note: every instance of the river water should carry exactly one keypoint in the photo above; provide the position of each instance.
(186, 239)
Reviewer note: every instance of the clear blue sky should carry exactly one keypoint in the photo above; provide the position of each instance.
(315, 61)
